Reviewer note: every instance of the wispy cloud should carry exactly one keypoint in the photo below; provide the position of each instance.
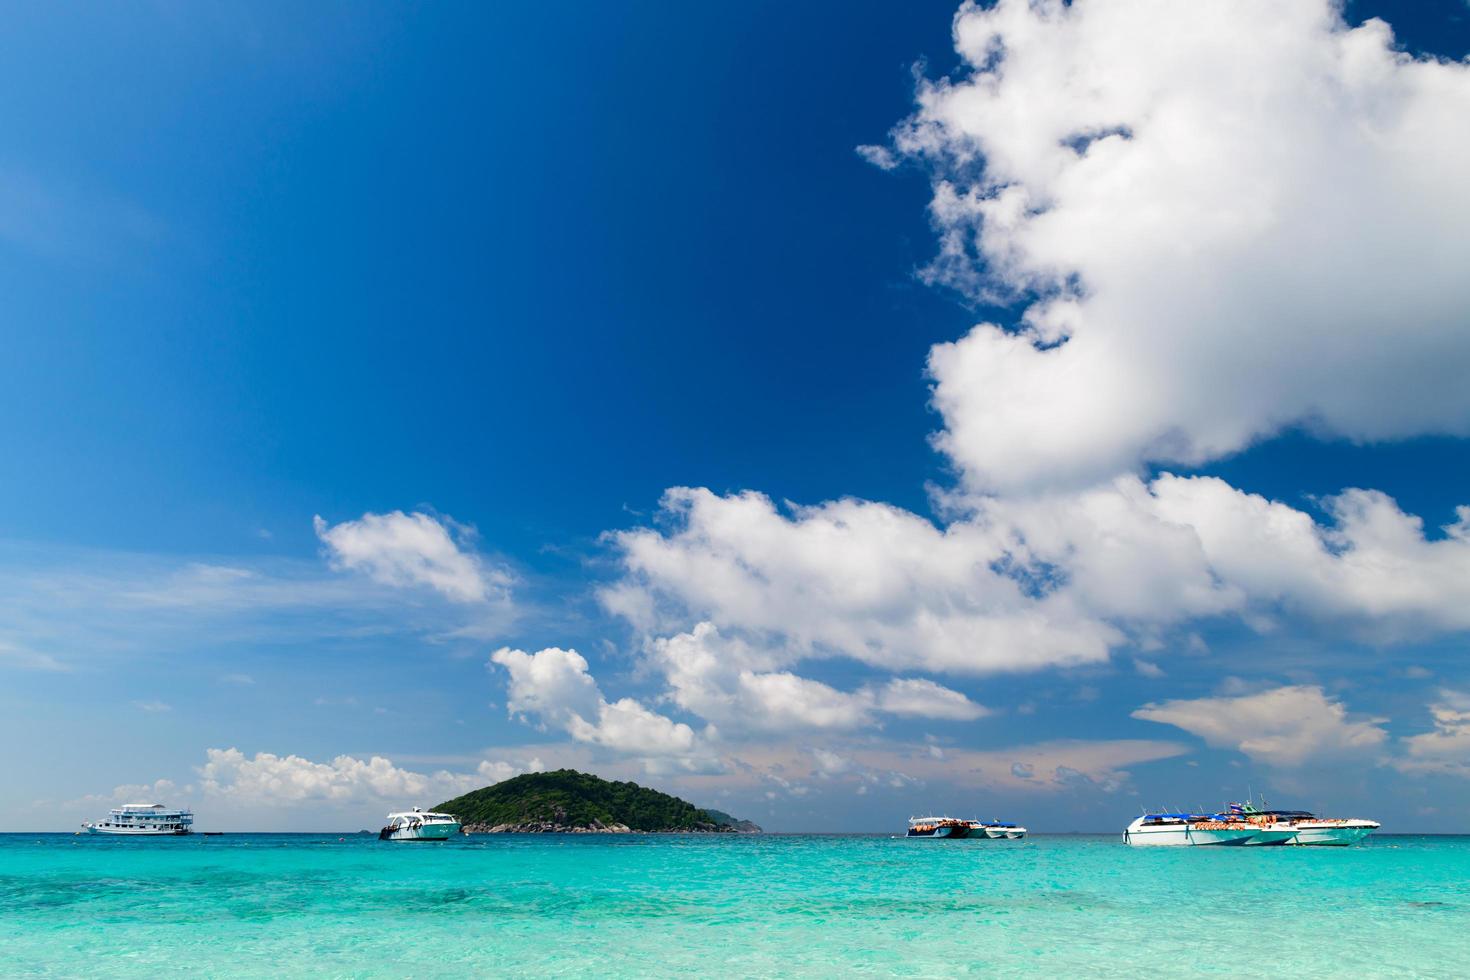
(1284, 726)
(67, 608)
(13, 655)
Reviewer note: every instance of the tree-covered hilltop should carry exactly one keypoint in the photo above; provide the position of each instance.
(571, 801)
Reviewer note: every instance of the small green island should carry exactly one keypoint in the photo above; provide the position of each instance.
(571, 802)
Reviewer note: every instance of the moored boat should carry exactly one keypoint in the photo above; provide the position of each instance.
(143, 820)
(1319, 832)
(1303, 828)
(1276, 826)
(416, 825)
(939, 828)
(1187, 829)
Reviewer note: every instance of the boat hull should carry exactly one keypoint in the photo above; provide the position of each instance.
(998, 833)
(1341, 835)
(1184, 835)
(428, 833)
(1272, 836)
(133, 831)
(940, 833)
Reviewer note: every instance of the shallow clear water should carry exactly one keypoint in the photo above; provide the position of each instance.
(267, 905)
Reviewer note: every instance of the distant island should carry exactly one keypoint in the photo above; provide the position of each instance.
(571, 802)
(738, 826)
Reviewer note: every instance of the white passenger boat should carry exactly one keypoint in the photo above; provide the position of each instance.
(1318, 832)
(1303, 828)
(952, 828)
(1272, 833)
(143, 820)
(416, 825)
(938, 828)
(1187, 829)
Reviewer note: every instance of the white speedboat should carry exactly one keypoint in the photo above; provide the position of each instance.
(1318, 832)
(1303, 828)
(1276, 826)
(416, 825)
(143, 820)
(1272, 832)
(996, 830)
(1187, 829)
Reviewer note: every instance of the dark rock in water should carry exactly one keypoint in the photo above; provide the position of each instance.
(571, 802)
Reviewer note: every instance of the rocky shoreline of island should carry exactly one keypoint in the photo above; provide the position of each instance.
(595, 827)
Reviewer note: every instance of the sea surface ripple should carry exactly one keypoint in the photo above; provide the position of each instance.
(767, 905)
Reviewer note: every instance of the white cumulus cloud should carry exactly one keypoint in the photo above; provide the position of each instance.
(1227, 216)
(1012, 583)
(921, 698)
(736, 685)
(554, 686)
(1374, 562)
(266, 778)
(865, 580)
(415, 549)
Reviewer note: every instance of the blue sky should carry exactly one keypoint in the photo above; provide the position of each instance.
(478, 285)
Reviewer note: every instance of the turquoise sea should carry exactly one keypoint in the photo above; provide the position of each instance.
(771, 905)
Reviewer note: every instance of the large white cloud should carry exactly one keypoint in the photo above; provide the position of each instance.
(1373, 564)
(866, 580)
(1184, 547)
(1285, 726)
(1227, 216)
(554, 687)
(1014, 583)
(411, 550)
